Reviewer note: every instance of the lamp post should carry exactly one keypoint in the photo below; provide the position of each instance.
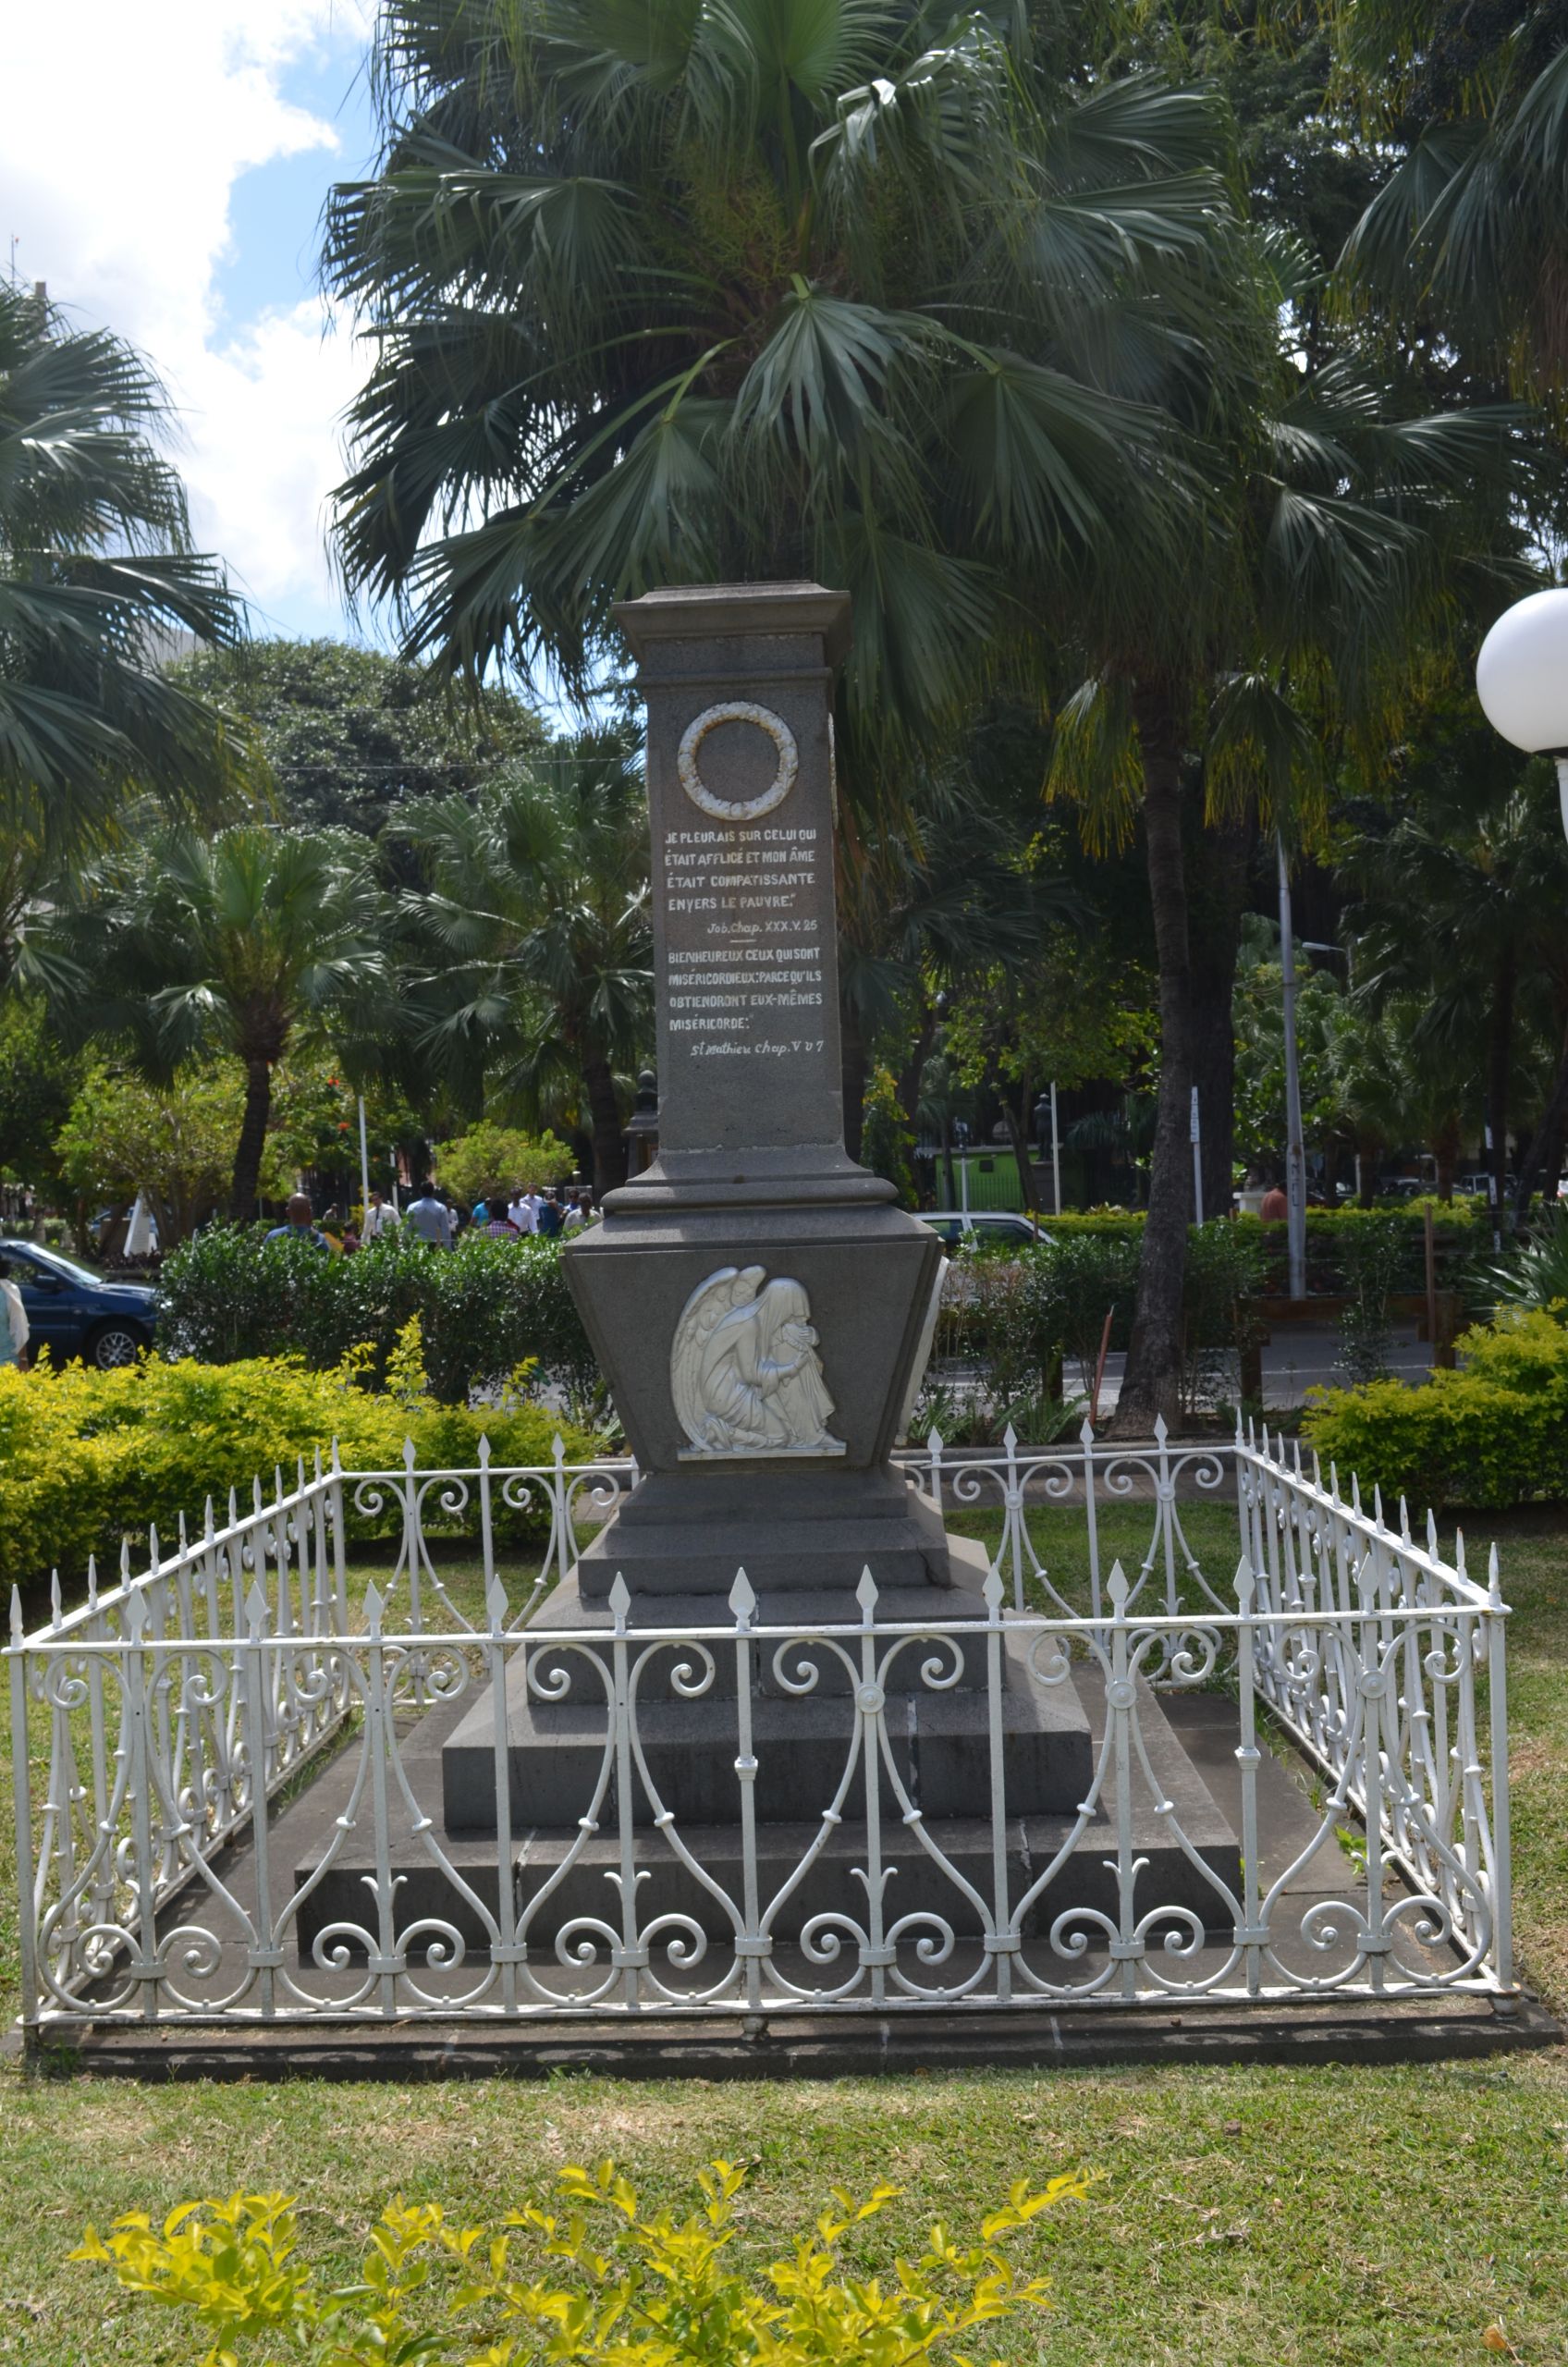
(1522, 679)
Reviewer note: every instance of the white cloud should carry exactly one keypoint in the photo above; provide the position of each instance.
(123, 129)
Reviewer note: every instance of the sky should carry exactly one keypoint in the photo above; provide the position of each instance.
(163, 168)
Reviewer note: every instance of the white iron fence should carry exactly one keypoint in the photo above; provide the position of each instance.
(234, 1791)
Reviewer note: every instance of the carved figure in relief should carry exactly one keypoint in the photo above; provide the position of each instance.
(745, 1373)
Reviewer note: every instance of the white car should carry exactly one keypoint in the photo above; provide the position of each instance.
(984, 1226)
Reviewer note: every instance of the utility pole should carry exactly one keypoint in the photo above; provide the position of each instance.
(364, 1165)
(1295, 1147)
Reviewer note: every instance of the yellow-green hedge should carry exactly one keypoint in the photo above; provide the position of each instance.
(1493, 1432)
(86, 1455)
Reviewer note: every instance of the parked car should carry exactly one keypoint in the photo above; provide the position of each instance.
(74, 1312)
(981, 1226)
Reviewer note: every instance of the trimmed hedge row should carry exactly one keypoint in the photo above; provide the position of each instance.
(485, 1308)
(1493, 1432)
(88, 1456)
(1461, 1238)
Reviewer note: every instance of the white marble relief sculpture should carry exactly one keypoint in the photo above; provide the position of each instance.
(745, 1372)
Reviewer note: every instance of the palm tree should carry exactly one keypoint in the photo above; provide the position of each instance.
(1470, 229)
(695, 292)
(98, 581)
(245, 943)
(533, 957)
(1461, 903)
(1341, 519)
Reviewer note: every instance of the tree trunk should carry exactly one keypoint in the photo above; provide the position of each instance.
(1224, 857)
(609, 1142)
(1500, 1060)
(1153, 1358)
(851, 1075)
(253, 1141)
(1548, 1135)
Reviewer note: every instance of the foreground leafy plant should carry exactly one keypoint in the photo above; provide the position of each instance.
(634, 2291)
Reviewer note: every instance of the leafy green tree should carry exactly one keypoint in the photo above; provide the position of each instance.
(38, 1078)
(486, 1162)
(533, 962)
(244, 944)
(349, 733)
(687, 293)
(97, 577)
(174, 1142)
(1260, 1060)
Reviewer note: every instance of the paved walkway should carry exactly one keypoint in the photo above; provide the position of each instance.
(1300, 1356)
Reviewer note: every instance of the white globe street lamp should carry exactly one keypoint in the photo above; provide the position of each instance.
(1522, 679)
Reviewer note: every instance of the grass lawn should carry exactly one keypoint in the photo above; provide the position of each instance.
(1243, 2217)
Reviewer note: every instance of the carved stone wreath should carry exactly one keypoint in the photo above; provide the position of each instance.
(738, 711)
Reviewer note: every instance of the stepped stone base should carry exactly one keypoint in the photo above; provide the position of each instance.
(687, 1533)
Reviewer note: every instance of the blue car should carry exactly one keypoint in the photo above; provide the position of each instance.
(74, 1312)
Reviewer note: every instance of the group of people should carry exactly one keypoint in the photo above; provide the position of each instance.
(525, 1212)
(434, 1218)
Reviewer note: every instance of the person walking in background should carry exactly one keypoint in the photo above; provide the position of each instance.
(298, 1224)
(501, 1227)
(381, 1220)
(572, 1220)
(523, 1211)
(550, 1219)
(429, 1219)
(1276, 1208)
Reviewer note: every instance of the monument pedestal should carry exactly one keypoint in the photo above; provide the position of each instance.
(763, 1314)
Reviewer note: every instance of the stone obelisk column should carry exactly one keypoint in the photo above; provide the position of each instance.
(761, 1307)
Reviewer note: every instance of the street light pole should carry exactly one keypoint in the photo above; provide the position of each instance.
(1295, 1146)
(1521, 681)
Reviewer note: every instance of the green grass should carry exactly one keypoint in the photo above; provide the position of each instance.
(1244, 2217)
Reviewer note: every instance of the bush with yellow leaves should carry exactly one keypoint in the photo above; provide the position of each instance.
(600, 2282)
(86, 1457)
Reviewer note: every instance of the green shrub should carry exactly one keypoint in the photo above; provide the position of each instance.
(1493, 1432)
(485, 1308)
(601, 2282)
(1462, 1231)
(88, 1456)
(1012, 1318)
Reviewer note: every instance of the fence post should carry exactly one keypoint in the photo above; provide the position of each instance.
(754, 1944)
(21, 1801)
(1002, 1940)
(1012, 1530)
(1252, 1935)
(266, 1957)
(495, 1659)
(1091, 1518)
(339, 1544)
(1503, 1848)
